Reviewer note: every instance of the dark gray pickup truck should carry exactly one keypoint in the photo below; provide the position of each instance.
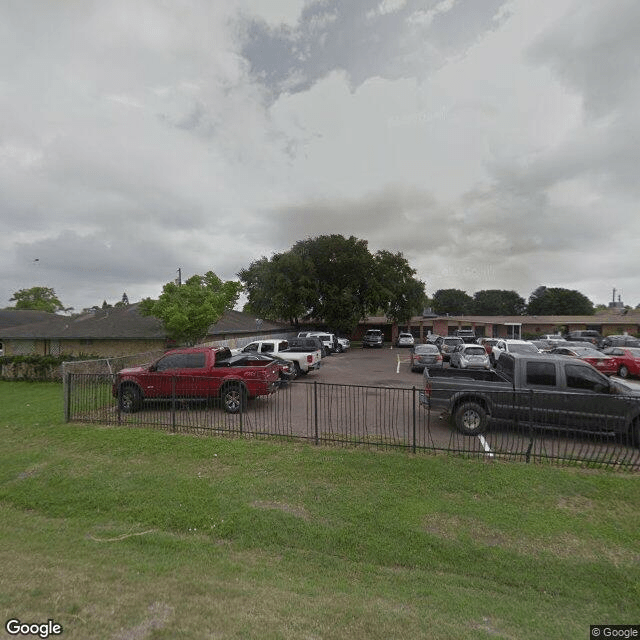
(555, 392)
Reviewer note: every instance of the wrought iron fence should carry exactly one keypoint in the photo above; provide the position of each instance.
(383, 417)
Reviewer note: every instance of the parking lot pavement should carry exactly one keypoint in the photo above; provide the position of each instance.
(368, 367)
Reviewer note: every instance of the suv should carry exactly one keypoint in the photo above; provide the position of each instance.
(468, 335)
(447, 344)
(585, 336)
(328, 340)
(373, 338)
(620, 341)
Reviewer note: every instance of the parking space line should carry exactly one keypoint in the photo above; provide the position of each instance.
(401, 360)
(486, 446)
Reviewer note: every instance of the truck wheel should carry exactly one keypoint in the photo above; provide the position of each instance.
(234, 398)
(297, 371)
(470, 418)
(623, 372)
(130, 399)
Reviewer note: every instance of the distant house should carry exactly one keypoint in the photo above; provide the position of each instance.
(111, 332)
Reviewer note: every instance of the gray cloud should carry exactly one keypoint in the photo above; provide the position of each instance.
(366, 39)
(494, 143)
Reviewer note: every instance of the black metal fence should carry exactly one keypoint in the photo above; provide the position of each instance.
(384, 417)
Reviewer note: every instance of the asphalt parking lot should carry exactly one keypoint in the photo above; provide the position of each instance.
(386, 367)
(368, 367)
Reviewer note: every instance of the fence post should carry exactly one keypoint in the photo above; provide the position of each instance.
(67, 396)
(173, 403)
(315, 411)
(413, 404)
(528, 454)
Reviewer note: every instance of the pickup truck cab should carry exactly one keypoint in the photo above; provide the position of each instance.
(197, 373)
(545, 391)
(303, 359)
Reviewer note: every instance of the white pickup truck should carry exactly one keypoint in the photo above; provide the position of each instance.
(303, 360)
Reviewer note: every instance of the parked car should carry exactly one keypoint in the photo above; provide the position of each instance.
(468, 356)
(343, 344)
(373, 338)
(468, 335)
(543, 345)
(488, 343)
(405, 340)
(620, 341)
(447, 344)
(511, 346)
(328, 340)
(425, 356)
(627, 360)
(603, 363)
(288, 368)
(587, 335)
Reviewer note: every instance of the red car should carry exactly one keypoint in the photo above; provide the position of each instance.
(601, 361)
(627, 360)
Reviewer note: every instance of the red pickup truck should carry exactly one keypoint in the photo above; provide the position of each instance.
(197, 373)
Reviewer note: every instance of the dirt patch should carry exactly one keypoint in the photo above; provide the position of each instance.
(299, 512)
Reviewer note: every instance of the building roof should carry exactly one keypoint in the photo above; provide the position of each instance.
(17, 317)
(121, 323)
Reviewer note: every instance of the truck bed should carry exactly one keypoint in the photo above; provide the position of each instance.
(485, 375)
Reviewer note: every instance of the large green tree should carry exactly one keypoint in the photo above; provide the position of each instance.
(332, 279)
(38, 299)
(189, 309)
(557, 302)
(401, 295)
(498, 302)
(452, 302)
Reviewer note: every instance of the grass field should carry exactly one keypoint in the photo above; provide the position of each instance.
(137, 534)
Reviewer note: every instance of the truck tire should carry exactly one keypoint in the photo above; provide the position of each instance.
(470, 418)
(297, 371)
(234, 397)
(129, 399)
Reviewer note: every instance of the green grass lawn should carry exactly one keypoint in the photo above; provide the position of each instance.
(133, 533)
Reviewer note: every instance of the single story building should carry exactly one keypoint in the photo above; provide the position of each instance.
(609, 322)
(113, 332)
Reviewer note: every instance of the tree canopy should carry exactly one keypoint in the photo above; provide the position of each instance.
(188, 310)
(557, 302)
(38, 299)
(498, 302)
(332, 279)
(452, 302)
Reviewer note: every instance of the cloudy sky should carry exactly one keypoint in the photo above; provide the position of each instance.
(496, 143)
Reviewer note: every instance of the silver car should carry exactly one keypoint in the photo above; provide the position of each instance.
(468, 356)
(405, 340)
(425, 356)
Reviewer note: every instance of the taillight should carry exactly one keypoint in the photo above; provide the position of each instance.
(439, 358)
(427, 389)
(309, 359)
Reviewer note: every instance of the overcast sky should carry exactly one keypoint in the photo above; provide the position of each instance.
(495, 143)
